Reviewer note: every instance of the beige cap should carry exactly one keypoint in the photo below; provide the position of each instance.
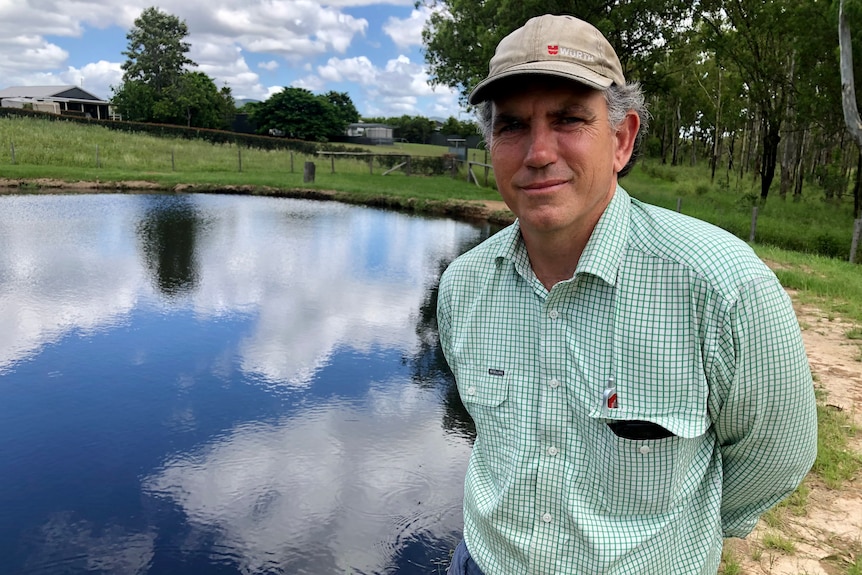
(561, 46)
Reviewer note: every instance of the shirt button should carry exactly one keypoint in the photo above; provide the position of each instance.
(552, 451)
(644, 449)
(471, 390)
(547, 517)
(554, 383)
(553, 314)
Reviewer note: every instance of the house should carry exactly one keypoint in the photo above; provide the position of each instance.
(370, 133)
(56, 99)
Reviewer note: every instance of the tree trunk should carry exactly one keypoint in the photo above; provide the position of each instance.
(797, 178)
(857, 189)
(769, 157)
(848, 89)
(675, 157)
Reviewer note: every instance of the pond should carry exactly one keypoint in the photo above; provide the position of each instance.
(225, 384)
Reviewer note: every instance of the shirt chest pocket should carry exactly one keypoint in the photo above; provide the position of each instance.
(647, 476)
(485, 393)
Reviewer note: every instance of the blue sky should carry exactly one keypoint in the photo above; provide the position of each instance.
(370, 49)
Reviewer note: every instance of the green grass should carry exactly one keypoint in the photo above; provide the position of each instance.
(809, 225)
(836, 462)
(779, 543)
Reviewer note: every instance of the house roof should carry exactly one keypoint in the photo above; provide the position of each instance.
(73, 93)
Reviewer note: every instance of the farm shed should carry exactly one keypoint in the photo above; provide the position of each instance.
(374, 133)
(66, 98)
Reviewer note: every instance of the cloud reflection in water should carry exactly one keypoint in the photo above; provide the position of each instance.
(340, 489)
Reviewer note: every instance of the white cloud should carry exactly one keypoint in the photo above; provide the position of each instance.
(270, 66)
(407, 32)
(97, 78)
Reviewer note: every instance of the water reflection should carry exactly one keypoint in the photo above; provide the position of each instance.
(341, 488)
(221, 384)
(168, 232)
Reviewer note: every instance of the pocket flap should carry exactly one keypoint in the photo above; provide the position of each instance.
(482, 385)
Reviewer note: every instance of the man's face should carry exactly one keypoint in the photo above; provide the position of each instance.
(556, 156)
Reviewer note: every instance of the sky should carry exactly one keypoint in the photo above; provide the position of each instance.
(371, 49)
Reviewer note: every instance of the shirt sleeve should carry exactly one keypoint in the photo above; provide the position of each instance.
(444, 316)
(767, 426)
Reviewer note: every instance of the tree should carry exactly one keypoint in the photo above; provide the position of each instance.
(157, 51)
(297, 113)
(157, 85)
(134, 100)
(461, 35)
(194, 100)
(454, 127)
(849, 105)
(763, 39)
(345, 111)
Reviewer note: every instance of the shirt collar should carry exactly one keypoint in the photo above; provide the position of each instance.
(604, 250)
(607, 244)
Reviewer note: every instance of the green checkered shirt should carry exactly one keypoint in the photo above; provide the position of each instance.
(692, 331)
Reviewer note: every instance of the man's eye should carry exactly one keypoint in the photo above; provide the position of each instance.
(571, 120)
(509, 127)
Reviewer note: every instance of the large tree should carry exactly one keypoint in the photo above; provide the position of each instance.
(157, 50)
(298, 113)
(461, 35)
(157, 83)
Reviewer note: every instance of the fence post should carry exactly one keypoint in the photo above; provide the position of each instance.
(291, 161)
(332, 162)
(408, 165)
(308, 172)
(173, 161)
(98, 160)
(371, 164)
(239, 157)
(13, 151)
(857, 230)
(679, 205)
(753, 224)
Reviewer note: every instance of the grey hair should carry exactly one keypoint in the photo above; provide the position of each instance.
(620, 100)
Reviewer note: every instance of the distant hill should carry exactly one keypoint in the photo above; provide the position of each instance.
(243, 101)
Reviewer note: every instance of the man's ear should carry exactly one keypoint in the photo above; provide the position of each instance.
(627, 131)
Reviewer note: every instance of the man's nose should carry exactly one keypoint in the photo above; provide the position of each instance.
(542, 147)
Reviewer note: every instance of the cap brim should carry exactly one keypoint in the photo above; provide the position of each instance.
(482, 91)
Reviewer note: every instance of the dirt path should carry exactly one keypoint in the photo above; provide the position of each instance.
(827, 540)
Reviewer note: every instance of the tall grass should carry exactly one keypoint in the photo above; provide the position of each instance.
(809, 224)
(75, 152)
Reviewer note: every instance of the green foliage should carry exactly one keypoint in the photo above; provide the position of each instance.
(157, 87)
(156, 51)
(297, 113)
(344, 110)
(461, 35)
(414, 129)
(454, 126)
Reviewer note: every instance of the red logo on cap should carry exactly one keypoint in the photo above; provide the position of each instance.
(553, 50)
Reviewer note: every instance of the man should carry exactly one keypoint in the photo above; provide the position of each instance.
(637, 377)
